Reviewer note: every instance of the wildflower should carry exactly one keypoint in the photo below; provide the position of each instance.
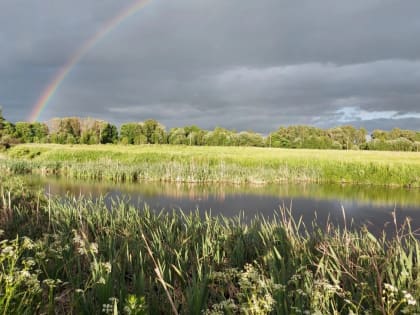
(390, 288)
(80, 243)
(409, 298)
(51, 282)
(8, 251)
(94, 248)
(412, 302)
(106, 308)
(25, 274)
(101, 280)
(9, 279)
(29, 262)
(40, 255)
(27, 243)
(107, 266)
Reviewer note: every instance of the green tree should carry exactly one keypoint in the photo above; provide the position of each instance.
(7, 132)
(154, 132)
(109, 133)
(348, 136)
(299, 137)
(188, 135)
(378, 134)
(220, 137)
(24, 131)
(132, 133)
(250, 139)
(95, 131)
(2, 121)
(65, 130)
(177, 136)
(87, 137)
(8, 129)
(40, 132)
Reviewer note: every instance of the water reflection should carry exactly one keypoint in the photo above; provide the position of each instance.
(368, 205)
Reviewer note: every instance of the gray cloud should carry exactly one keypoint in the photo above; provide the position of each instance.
(238, 64)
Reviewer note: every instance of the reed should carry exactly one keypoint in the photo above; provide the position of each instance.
(84, 256)
(215, 164)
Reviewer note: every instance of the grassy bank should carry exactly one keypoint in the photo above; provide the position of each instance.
(215, 164)
(77, 256)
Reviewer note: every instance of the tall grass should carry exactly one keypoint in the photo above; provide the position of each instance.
(215, 164)
(81, 256)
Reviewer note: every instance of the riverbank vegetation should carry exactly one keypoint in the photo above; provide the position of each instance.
(80, 256)
(214, 164)
(75, 130)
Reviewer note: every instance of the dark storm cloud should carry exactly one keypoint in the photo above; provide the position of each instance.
(238, 64)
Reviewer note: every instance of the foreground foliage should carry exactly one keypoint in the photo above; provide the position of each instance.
(82, 256)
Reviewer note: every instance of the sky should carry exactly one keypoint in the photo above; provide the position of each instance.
(238, 64)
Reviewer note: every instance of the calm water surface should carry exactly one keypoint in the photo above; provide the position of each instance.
(364, 205)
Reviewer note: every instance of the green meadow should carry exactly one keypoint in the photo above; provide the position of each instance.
(214, 164)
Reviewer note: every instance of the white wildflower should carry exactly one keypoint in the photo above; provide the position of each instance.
(107, 266)
(107, 308)
(27, 243)
(8, 251)
(25, 274)
(94, 248)
(409, 298)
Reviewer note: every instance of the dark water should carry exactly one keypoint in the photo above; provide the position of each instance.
(363, 205)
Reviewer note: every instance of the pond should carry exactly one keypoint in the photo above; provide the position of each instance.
(363, 205)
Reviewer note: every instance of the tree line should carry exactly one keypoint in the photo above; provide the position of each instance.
(76, 130)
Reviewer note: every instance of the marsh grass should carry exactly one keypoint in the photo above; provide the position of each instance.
(81, 256)
(215, 164)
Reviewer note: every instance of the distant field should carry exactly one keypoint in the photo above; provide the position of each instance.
(215, 164)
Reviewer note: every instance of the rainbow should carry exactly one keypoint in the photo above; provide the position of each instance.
(61, 74)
